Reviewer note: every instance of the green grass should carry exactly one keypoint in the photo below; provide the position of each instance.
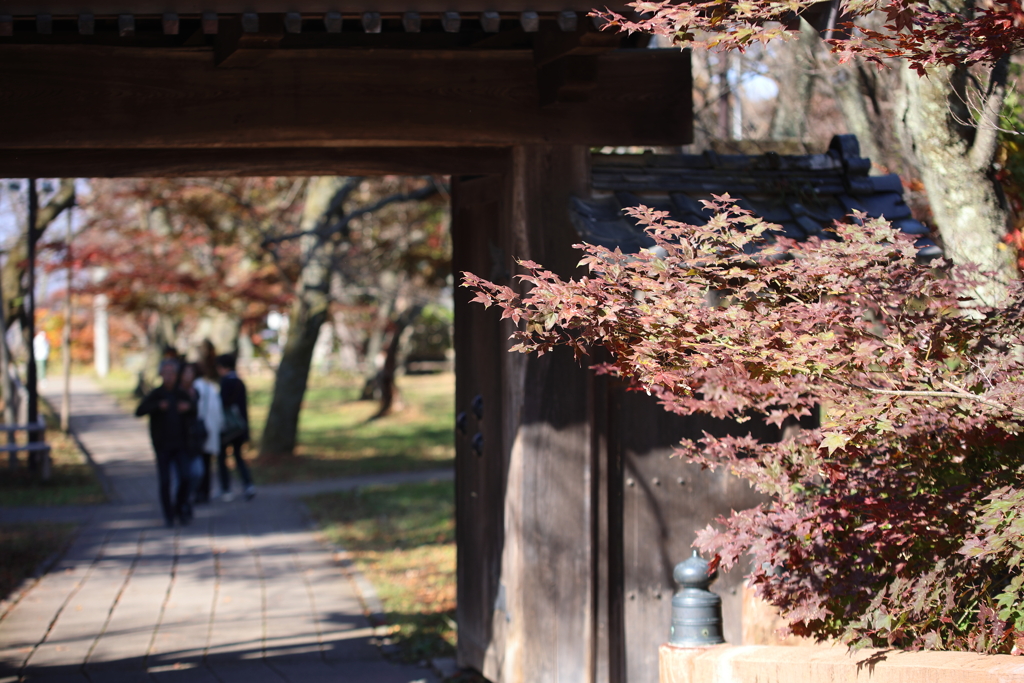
(73, 480)
(24, 547)
(403, 539)
(338, 439)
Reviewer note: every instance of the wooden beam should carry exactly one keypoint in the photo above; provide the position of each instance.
(211, 23)
(567, 80)
(86, 24)
(269, 161)
(62, 8)
(581, 41)
(77, 96)
(245, 41)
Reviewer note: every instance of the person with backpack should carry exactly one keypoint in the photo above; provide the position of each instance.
(235, 432)
(170, 412)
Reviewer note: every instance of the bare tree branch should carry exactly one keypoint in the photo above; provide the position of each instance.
(345, 219)
(987, 137)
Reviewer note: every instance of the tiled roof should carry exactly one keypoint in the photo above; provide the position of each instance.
(802, 194)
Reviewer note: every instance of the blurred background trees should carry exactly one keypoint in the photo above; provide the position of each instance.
(295, 275)
(948, 125)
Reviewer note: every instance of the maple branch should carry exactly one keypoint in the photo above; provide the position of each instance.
(957, 393)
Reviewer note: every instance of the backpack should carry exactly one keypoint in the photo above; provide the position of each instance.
(234, 427)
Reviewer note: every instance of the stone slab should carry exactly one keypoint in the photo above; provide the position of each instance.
(836, 664)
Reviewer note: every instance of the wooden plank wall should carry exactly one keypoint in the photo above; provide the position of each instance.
(661, 503)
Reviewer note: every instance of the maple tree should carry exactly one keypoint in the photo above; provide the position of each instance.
(900, 520)
(171, 251)
(948, 116)
(924, 34)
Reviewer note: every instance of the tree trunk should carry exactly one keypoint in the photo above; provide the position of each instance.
(308, 313)
(386, 379)
(375, 344)
(956, 167)
(13, 273)
(793, 107)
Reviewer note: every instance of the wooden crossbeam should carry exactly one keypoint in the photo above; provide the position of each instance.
(269, 161)
(98, 97)
(72, 8)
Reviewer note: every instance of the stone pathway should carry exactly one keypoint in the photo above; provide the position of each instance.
(246, 593)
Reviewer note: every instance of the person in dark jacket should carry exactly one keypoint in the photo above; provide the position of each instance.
(236, 425)
(170, 412)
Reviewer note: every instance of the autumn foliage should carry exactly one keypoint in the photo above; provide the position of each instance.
(900, 520)
(957, 34)
(182, 248)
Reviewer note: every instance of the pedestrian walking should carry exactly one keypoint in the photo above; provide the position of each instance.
(195, 430)
(170, 411)
(235, 432)
(41, 351)
(211, 413)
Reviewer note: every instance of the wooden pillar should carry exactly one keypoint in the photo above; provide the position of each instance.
(525, 512)
(31, 377)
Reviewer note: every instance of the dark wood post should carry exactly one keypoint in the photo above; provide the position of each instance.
(35, 461)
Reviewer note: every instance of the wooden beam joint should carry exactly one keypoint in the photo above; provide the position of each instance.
(244, 42)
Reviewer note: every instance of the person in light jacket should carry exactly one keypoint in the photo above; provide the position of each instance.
(211, 413)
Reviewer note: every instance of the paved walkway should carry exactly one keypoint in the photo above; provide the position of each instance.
(246, 593)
